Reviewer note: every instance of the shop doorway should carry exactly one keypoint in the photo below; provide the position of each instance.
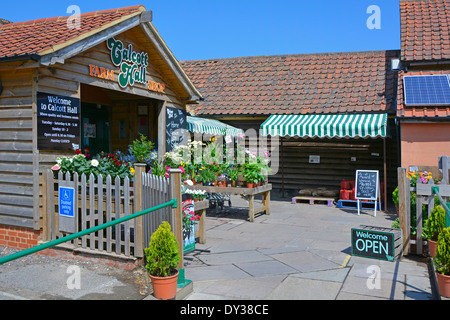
(95, 128)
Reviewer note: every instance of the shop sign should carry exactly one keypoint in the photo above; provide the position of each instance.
(132, 67)
(373, 244)
(66, 209)
(58, 122)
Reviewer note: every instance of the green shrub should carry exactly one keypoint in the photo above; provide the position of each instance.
(435, 223)
(442, 258)
(162, 254)
(141, 149)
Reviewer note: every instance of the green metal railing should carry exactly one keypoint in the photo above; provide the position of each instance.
(53, 243)
(445, 205)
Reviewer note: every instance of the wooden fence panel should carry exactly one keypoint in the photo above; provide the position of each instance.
(101, 200)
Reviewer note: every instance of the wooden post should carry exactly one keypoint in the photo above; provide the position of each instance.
(177, 213)
(404, 207)
(162, 131)
(282, 167)
(385, 177)
(138, 206)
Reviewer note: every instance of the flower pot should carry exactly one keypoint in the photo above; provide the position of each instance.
(432, 247)
(221, 183)
(233, 184)
(443, 284)
(165, 288)
(250, 185)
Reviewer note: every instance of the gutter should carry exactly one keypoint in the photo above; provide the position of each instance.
(25, 57)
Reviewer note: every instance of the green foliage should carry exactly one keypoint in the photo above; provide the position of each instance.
(101, 164)
(395, 197)
(435, 223)
(252, 173)
(162, 254)
(233, 172)
(142, 148)
(442, 258)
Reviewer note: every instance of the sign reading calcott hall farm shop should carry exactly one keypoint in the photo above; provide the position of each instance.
(132, 67)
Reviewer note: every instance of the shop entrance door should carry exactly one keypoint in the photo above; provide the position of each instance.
(95, 134)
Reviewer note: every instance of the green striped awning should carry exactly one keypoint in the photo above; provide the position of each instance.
(326, 125)
(210, 126)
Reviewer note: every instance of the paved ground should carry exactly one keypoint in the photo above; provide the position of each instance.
(298, 252)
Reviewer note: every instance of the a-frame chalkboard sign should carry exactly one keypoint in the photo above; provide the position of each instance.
(367, 187)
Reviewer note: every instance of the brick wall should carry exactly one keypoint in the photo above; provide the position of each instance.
(18, 237)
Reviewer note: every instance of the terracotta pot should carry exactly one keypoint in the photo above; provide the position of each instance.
(259, 183)
(443, 284)
(221, 183)
(250, 185)
(165, 288)
(233, 184)
(432, 247)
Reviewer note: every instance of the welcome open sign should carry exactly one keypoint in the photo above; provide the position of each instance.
(377, 242)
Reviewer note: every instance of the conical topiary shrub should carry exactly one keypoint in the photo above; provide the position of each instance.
(163, 257)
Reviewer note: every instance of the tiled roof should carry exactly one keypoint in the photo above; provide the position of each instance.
(295, 84)
(3, 21)
(419, 112)
(38, 36)
(425, 29)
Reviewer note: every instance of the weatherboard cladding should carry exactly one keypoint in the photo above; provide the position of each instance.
(295, 84)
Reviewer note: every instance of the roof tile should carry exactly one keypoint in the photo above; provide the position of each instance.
(425, 28)
(295, 84)
(36, 36)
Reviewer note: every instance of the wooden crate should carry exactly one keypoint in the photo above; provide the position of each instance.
(377, 242)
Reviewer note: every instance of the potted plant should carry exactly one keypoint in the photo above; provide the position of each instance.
(233, 173)
(442, 260)
(141, 149)
(251, 175)
(433, 227)
(163, 257)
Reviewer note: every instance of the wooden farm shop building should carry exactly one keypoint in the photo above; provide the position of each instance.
(333, 112)
(64, 87)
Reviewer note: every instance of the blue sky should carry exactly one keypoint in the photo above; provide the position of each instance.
(211, 29)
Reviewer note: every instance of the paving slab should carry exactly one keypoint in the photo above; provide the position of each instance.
(335, 275)
(299, 252)
(293, 288)
(261, 268)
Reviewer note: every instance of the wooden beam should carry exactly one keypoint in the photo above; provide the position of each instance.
(404, 207)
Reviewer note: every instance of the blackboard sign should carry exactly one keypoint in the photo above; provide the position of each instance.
(58, 122)
(175, 120)
(376, 242)
(366, 186)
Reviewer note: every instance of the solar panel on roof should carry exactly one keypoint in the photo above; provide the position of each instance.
(433, 90)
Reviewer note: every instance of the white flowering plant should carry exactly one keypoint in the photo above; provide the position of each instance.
(100, 164)
(196, 194)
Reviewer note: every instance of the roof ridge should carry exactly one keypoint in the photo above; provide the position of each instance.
(299, 55)
(62, 18)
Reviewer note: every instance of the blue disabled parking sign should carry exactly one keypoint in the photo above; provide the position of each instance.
(67, 202)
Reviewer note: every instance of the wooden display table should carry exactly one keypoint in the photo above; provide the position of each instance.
(200, 207)
(263, 190)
